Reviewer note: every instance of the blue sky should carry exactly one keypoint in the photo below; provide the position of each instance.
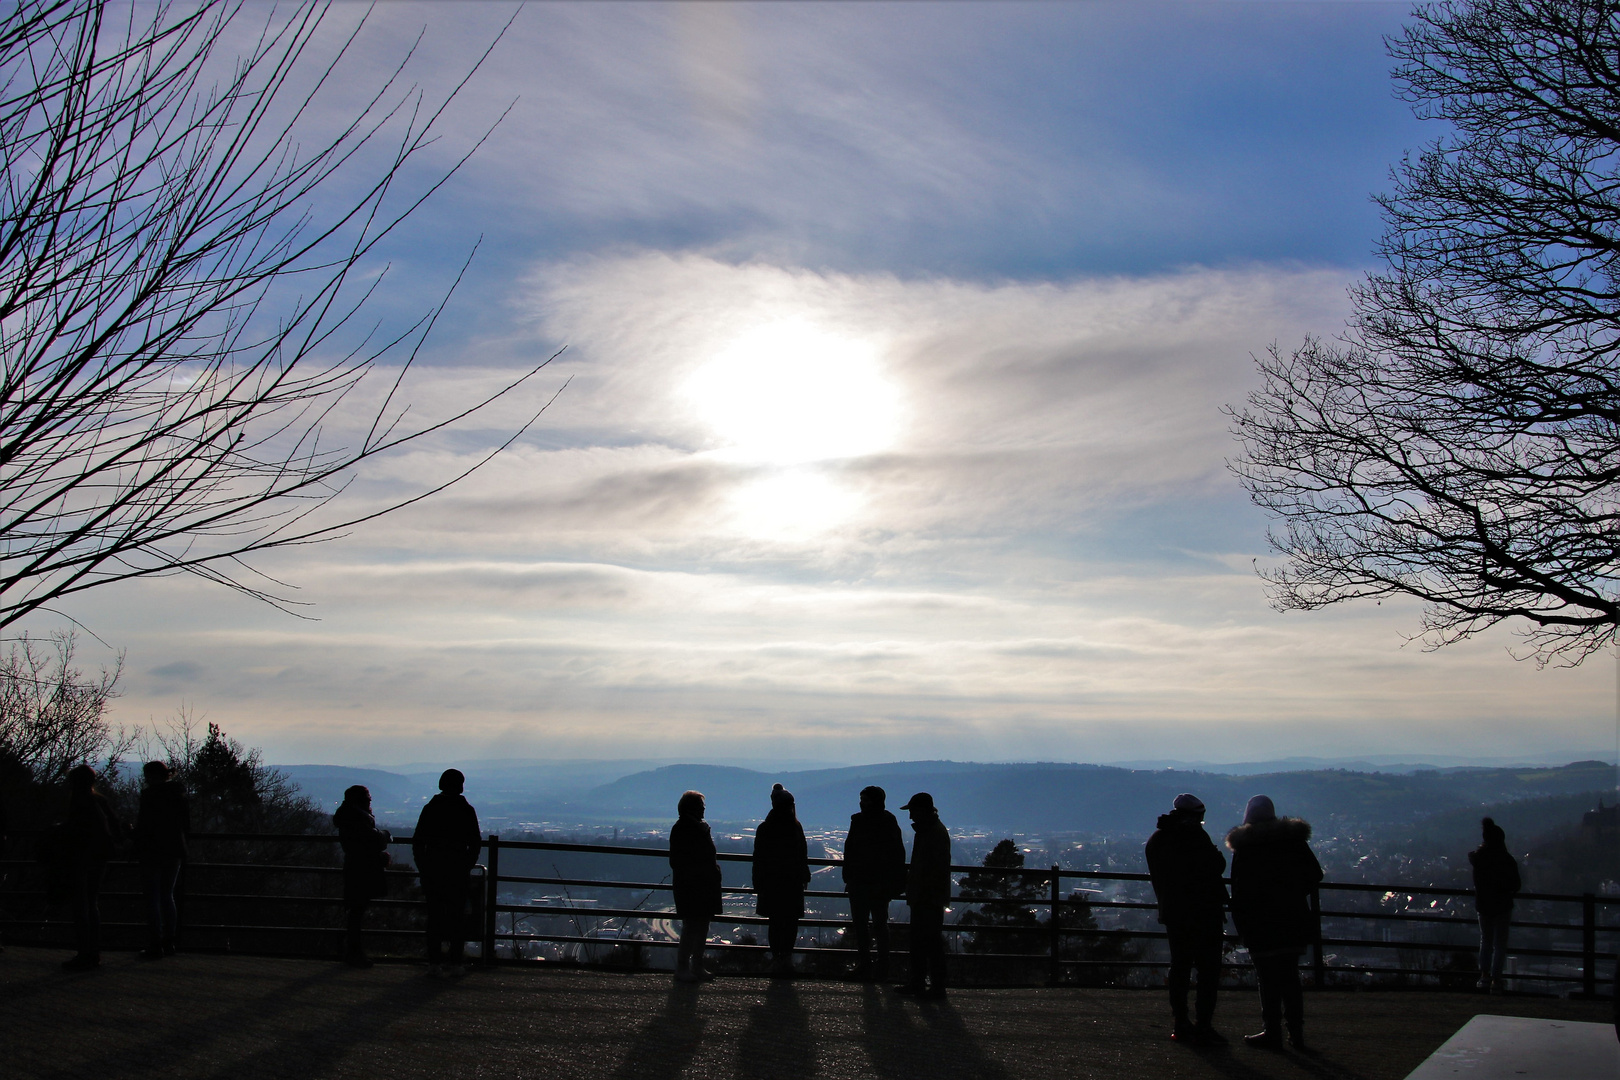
(899, 336)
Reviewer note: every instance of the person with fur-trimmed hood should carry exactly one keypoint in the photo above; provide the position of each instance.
(1186, 868)
(1273, 876)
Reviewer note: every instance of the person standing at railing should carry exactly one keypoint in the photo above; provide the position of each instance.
(1273, 875)
(1186, 868)
(1496, 883)
(365, 858)
(446, 845)
(928, 893)
(161, 827)
(695, 875)
(781, 874)
(874, 874)
(91, 833)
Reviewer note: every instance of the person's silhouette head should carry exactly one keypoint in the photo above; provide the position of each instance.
(452, 782)
(81, 778)
(155, 772)
(781, 798)
(358, 795)
(691, 805)
(921, 807)
(1492, 832)
(873, 798)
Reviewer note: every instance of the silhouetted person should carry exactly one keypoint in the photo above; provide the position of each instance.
(446, 845)
(91, 835)
(1496, 883)
(161, 827)
(695, 875)
(874, 874)
(781, 872)
(1186, 868)
(365, 857)
(928, 893)
(1273, 876)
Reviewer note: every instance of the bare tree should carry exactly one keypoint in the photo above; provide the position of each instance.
(52, 717)
(179, 298)
(1459, 445)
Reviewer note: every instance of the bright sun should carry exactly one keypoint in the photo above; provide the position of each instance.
(790, 393)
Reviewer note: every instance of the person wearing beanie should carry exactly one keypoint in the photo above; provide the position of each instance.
(874, 874)
(1496, 883)
(781, 872)
(446, 845)
(928, 894)
(1274, 874)
(695, 879)
(1186, 869)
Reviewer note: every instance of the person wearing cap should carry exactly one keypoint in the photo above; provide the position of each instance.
(1186, 868)
(874, 874)
(446, 845)
(781, 872)
(928, 893)
(1274, 874)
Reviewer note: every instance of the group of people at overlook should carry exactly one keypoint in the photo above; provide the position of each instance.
(1273, 875)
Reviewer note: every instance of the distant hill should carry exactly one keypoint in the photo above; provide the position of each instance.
(1035, 797)
(1102, 799)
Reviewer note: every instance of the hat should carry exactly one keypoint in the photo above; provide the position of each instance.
(1189, 804)
(920, 801)
(781, 796)
(1259, 809)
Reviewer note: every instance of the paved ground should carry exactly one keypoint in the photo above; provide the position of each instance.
(243, 1018)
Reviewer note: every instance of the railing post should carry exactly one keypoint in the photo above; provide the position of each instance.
(492, 890)
(1054, 974)
(1318, 964)
(1588, 945)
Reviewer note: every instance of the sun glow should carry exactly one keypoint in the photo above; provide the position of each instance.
(789, 392)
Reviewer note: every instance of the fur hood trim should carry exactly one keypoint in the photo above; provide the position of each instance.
(1275, 831)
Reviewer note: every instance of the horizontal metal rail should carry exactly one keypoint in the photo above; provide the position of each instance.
(1057, 879)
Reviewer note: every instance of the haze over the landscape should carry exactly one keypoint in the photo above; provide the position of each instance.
(897, 338)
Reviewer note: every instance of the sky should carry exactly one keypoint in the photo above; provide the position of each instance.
(890, 425)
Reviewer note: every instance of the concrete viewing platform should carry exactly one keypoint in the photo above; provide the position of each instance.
(242, 1017)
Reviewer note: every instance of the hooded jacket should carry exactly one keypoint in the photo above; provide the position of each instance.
(162, 823)
(446, 841)
(874, 856)
(1186, 868)
(1273, 876)
(365, 853)
(781, 865)
(928, 881)
(694, 869)
(1496, 880)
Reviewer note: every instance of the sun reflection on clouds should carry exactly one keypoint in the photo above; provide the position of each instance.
(793, 505)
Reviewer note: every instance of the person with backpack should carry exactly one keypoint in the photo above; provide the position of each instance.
(874, 874)
(446, 845)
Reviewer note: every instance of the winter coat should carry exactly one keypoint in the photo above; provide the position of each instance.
(781, 866)
(695, 871)
(928, 880)
(1496, 880)
(446, 841)
(1273, 876)
(1186, 868)
(365, 853)
(162, 824)
(92, 830)
(874, 856)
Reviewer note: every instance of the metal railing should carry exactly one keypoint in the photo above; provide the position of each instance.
(1444, 936)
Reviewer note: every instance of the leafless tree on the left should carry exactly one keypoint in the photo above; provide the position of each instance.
(185, 251)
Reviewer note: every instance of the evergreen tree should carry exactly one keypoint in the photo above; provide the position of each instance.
(1006, 898)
